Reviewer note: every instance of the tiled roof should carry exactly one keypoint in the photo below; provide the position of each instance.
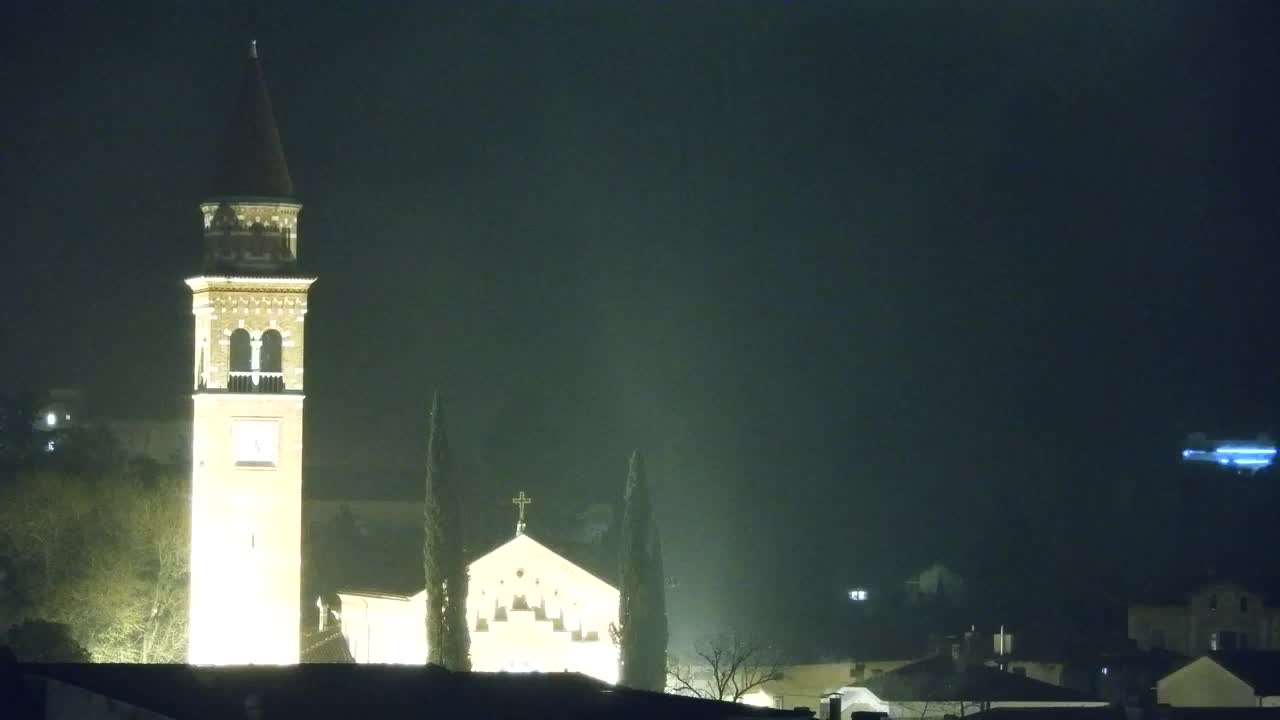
(326, 646)
(939, 678)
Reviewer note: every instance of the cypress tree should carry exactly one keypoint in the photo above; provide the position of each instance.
(642, 611)
(448, 643)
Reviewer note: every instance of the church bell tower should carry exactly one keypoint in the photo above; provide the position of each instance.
(249, 304)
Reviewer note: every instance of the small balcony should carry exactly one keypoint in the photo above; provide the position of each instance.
(255, 381)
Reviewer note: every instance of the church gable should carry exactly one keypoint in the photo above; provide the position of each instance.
(528, 608)
(525, 576)
(525, 549)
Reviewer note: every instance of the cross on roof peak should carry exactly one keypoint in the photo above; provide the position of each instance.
(521, 500)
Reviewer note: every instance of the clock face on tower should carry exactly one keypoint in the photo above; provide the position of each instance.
(255, 443)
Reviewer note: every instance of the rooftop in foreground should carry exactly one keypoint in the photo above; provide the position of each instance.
(381, 691)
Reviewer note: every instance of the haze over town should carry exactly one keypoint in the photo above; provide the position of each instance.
(872, 287)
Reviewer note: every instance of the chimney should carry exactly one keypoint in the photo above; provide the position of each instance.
(833, 706)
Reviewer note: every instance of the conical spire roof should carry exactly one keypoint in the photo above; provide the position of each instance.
(251, 163)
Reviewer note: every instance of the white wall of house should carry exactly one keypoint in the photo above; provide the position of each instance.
(384, 628)
(1191, 628)
(1204, 683)
(804, 685)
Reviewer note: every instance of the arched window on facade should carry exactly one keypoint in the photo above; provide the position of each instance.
(270, 359)
(240, 362)
(257, 239)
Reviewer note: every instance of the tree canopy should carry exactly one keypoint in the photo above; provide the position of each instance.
(103, 551)
(448, 642)
(642, 614)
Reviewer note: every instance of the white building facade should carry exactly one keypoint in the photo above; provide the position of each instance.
(528, 610)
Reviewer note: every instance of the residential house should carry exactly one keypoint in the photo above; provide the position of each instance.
(804, 685)
(935, 582)
(1221, 616)
(952, 685)
(1236, 679)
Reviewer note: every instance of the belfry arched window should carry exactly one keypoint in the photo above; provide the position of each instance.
(271, 351)
(241, 362)
(270, 359)
(241, 352)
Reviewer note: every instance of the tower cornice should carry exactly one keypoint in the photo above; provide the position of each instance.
(204, 283)
(217, 200)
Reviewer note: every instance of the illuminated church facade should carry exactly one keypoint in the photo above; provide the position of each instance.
(528, 608)
(249, 303)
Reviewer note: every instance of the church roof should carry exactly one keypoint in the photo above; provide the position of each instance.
(406, 579)
(251, 161)
(524, 539)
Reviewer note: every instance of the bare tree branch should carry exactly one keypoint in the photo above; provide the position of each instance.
(725, 667)
(681, 681)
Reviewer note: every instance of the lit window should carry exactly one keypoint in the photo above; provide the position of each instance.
(51, 419)
(858, 595)
(49, 447)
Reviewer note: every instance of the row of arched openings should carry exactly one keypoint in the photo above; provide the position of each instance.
(270, 358)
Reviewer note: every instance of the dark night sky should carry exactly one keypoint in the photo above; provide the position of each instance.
(862, 279)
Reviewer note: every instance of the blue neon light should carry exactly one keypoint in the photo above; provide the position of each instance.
(1244, 456)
